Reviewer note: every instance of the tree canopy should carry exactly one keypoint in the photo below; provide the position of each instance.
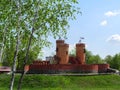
(46, 17)
(114, 61)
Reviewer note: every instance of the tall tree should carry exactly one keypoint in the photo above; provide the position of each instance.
(88, 56)
(4, 7)
(18, 30)
(48, 17)
(114, 61)
(108, 59)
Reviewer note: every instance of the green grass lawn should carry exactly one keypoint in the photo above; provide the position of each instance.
(47, 82)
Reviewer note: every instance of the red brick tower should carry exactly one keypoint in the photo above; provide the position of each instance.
(62, 51)
(58, 43)
(80, 52)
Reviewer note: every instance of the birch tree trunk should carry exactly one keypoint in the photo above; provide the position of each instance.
(28, 49)
(3, 43)
(17, 48)
(14, 63)
(25, 61)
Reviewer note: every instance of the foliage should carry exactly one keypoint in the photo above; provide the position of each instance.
(114, 61)
(0, 64)
(72, 52)
(93, 59)
(21, 56)
(48, 18)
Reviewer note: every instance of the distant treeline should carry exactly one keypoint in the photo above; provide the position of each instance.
(114, 60)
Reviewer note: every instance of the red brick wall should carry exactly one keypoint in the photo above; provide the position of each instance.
(65, 67)
(103, 67)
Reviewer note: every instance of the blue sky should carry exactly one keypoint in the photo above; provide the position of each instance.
(99, 24)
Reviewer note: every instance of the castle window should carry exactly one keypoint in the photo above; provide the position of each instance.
(66, 52)
(84, 51)
(57, 49)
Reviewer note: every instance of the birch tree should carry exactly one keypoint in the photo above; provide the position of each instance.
(49, 17)
(31, 22)
(18, 30)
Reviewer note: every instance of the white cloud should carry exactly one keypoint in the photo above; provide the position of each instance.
(112, 13)
(103, 23)
(114, 39)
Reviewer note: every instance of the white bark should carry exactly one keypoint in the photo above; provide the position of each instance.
(17, 48)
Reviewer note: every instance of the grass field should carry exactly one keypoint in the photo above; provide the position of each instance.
(47, 82)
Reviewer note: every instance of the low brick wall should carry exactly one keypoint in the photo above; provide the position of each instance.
(102, 68)
(58, 68)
